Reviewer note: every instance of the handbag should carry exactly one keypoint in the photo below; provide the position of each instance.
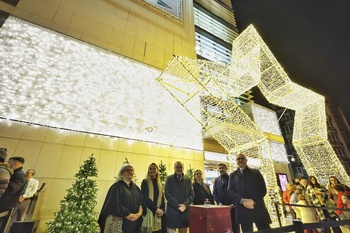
(113, 224)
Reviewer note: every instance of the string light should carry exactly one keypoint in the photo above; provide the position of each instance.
(207, 89)
(52, 80)
(196, 86)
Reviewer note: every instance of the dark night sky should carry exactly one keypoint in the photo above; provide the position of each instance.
(309, 38)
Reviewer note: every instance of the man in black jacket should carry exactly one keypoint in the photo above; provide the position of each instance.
(247, 189)
(179, 194)
(220, 193)
(15, 188)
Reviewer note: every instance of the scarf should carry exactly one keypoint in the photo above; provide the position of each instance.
(151, 222)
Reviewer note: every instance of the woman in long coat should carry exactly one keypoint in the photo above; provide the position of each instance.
(153, 197)
(122, 209)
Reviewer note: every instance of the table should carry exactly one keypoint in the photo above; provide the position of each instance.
(211, 218)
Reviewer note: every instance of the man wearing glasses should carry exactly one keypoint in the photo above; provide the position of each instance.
(179, 194)
(247, 189)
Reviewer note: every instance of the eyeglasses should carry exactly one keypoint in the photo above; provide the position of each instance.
(239, 159)
(129, 170)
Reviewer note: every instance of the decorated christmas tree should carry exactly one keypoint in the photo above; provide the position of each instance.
(190, 172)
(76, 213)
(162, 173)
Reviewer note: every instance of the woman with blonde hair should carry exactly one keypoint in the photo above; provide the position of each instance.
(201, 190)
(152, 191)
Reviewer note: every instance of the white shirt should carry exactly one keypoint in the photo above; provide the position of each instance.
(32, 187)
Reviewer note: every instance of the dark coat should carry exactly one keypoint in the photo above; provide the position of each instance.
(13, 191)
(178, 191)
(151, 203)
(220, 190)
(122, 200)
(250, 185)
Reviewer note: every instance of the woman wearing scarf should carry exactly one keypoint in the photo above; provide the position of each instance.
(152, 192)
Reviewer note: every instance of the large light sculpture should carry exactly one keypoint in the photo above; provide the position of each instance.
(207, 90)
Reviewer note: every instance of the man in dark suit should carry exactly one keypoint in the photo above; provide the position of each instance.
(220, 193)
(179, 194)
(15, 188)
(247, 189)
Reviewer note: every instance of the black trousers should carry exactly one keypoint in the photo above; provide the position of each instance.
(235, 225)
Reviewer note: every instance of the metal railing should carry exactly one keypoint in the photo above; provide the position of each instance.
(5, 218)
(299, 227)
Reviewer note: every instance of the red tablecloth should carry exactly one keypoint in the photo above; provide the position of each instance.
(213, 218)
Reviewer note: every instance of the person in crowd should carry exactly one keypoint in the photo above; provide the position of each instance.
(286, 198)
(294, 192)
(346, 213)
(201, 190)
(220, 186)
(5, 171)
(332, 196)
(153, 197)
(221, 196)
(339, 191)
(346, 202)
(306, 215)
(303, 183)
(122, 208)
(31, 186)
(179, 194)
(15, 188)
(317, 196)
(247, 189)
(297, 180)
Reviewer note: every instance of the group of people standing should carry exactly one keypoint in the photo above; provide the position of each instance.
(310, 192)
(244, 189)
(129, 209)
(16, 187)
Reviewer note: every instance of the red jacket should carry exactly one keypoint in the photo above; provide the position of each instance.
(340, 203)
(286, 197)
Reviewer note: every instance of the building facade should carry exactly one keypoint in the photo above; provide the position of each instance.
(79, 78)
